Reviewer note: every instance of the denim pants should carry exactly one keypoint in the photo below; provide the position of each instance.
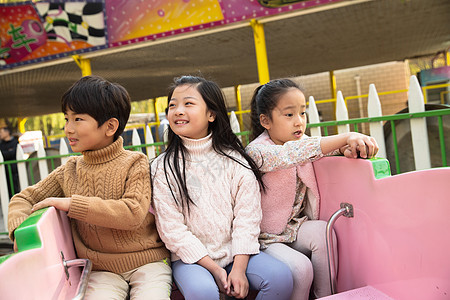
(267, 275)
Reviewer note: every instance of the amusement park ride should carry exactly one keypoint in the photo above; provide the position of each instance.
(390, 230)
(390, 237)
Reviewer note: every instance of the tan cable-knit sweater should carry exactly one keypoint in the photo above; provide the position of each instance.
(110, 190)
(225, 218)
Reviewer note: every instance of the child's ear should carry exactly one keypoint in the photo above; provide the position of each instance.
(264, 121)
(111, 126)
(211, 116)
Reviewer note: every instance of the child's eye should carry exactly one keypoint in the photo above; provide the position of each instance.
(171, 104)
(289, 115)
(78, 119)
(303, 113)
(189, 103)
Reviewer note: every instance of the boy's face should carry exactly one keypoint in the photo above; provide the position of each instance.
(288, 118)
(83, 132)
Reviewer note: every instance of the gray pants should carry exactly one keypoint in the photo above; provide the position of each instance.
(307, 258)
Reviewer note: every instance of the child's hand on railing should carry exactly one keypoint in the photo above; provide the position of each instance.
(360, 145)
(56, 202)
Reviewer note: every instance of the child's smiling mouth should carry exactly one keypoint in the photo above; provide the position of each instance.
(72, 141)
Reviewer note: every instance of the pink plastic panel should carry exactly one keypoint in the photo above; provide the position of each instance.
(39, 273)
(398, 240)
(364, 293)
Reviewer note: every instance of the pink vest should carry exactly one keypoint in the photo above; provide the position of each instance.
(278, 200)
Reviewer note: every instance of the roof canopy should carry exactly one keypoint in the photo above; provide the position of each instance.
(338, 35)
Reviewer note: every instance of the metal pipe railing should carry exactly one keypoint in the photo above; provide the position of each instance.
(84, 278)
(346, 210)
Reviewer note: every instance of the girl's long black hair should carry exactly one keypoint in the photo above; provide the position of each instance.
(265, 99)
(223, 138)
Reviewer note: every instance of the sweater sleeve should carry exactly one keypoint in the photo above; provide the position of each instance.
(247, 212)
(292, 153)
(170, 220)
(126, 213)
(20, 206)
(335, 152)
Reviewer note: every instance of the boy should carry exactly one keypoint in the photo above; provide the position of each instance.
(106, 193)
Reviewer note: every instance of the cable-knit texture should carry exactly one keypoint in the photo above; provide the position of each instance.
(110, 190)
(225, 218)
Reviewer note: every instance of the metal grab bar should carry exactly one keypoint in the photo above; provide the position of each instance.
(346, 210)
(87, 267)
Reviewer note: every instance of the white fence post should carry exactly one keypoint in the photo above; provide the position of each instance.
(136, 140)
(234, 123)
(314, 117)
(63, 150)
(376, 128)
(149, 140)
(341, 113)
(4, 195)
(42, 163)
(419, 131)
(21, 168)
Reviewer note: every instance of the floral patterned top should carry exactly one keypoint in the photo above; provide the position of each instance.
(277, 157)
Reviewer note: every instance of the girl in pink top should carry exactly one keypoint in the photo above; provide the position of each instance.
(290, 230)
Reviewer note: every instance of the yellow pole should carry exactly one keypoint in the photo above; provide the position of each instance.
(333, 84)
(84, 64)
(237, 90)
(447, 57)
(155, 108)
(333, 90)
(22, 122)
(261, 53)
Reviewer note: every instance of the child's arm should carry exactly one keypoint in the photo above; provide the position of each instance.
(219, 273)
(21, 204)
(292, 153)
(58, 203)
(237, 280)
(246, 193)
(170, 221)
(247, 213)
(357, 143)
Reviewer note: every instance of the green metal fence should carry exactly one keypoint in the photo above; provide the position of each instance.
(324, 125)
(391, 119)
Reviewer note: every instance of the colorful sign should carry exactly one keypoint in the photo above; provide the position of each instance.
(35, 32)
(43, 31)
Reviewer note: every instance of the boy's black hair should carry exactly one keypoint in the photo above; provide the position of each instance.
(99, 98)
(223, 138)
(265, 99)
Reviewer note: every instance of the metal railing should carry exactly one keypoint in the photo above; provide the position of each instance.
(392, 118)
(246, 138)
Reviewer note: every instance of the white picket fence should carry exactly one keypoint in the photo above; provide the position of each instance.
(418, 132)
(418, 126)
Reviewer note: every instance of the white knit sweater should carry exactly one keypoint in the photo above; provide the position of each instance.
(226, 216)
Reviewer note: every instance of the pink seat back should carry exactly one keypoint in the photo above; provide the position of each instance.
(38, 273)
(398, 240)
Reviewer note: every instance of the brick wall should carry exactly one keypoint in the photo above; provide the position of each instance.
(386, 77)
